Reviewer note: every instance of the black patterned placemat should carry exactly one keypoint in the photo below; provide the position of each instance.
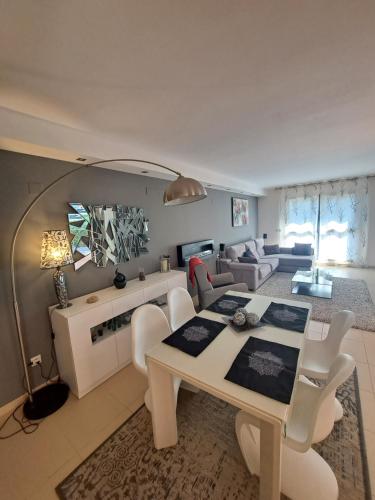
(194, 336)
(266, 367)
(227, 304)
(285, 316)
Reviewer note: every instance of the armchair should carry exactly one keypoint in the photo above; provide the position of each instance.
(208, 291)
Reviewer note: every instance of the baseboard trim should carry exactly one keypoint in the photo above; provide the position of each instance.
(12, 405)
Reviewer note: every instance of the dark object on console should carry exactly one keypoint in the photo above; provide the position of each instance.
(222, 247)
(201, 249)
(302, 249)
(264, 236)
(119, 280)
(271, 249)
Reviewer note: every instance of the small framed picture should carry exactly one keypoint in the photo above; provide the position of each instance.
(240, 212)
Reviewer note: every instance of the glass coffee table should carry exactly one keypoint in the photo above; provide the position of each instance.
(314, 283)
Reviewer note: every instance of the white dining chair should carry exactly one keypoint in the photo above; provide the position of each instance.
(318, 355)
(149, 327)
(180, 310)
(304, 473)
(180, 307)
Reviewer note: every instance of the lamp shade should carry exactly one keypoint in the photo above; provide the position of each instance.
(184, 190)
(56, 250)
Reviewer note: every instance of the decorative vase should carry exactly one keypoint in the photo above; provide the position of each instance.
(141, 275)
(119, 280)
(165, 265)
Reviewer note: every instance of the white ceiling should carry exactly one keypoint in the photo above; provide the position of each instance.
(245, 94)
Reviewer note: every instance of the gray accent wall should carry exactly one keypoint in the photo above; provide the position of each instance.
(22, 177)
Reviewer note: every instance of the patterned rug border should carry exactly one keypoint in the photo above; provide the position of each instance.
(58, 487)
(365, 468)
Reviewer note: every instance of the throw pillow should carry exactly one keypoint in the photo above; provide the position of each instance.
(251, 245)
(271, 249)
(248, 260)
(248, 257)
(302, 249)
(259, 242)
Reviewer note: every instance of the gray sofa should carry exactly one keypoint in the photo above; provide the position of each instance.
(254, 274)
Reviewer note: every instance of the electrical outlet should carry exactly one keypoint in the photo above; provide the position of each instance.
(36, 360)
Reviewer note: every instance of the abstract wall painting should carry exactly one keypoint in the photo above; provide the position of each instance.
(107, 233)
(240, 212)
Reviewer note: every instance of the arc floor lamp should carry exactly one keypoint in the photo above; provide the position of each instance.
(51, 397)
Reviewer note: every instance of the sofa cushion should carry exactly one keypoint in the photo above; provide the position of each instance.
(272, 261)
(271, 249)
(251, 245)
(248, 260)
(302, 249)
(235, 251)
(264, 270)
(295, 260)
(286, 250)
(259, 242)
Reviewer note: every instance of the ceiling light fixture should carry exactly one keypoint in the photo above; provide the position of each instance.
(181, 191)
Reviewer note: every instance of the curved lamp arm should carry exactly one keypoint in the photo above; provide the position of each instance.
(13, 247)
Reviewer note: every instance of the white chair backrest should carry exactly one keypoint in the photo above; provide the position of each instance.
(180, 307)
(341, 323)
(149, 327)
(307, 401)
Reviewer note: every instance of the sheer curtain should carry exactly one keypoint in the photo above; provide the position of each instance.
(299, 215)
(343, 221)
(332, 216)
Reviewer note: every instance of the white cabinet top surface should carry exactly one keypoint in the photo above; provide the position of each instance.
(112, 293)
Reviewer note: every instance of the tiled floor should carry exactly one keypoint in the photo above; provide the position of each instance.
(31, 466)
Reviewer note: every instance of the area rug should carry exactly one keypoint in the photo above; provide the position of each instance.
(206, 463)
(346, 294)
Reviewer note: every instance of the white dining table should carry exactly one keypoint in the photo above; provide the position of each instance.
(207, 372)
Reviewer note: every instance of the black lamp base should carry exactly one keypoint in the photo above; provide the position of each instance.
(46, 401)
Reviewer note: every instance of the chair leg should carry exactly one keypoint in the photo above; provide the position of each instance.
(189, 387)
(148, 400)
(339, 411)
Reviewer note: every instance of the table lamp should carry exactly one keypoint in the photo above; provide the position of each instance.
(55, 254)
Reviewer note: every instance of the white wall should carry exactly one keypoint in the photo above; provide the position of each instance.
(268, 215)
(371, 222)
(268, 218)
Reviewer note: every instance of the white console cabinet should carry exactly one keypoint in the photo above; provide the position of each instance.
(85, 364)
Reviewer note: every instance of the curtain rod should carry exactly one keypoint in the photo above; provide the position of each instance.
(325, 182)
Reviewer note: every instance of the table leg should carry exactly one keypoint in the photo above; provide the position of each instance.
(163, 404)
(270, 460)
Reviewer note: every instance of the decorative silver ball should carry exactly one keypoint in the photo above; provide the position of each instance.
(252, 319)
(239, 317)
